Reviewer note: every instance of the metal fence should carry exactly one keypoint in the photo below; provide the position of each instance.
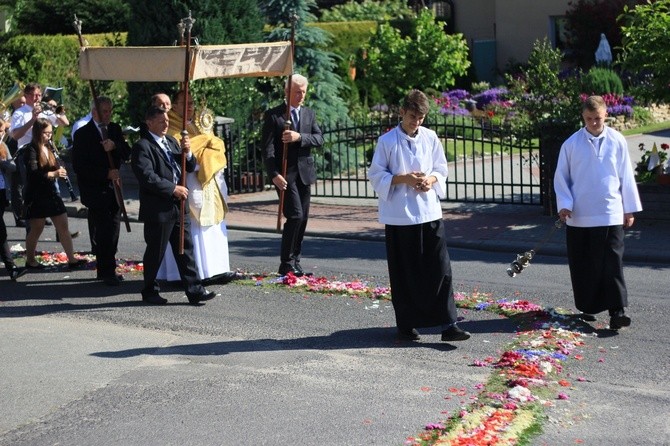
(487, 164)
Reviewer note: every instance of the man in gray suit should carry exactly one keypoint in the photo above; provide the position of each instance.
(299, 139)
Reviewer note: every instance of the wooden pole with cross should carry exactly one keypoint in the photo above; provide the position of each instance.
(287, 125)
(186, 25)
(118, 192)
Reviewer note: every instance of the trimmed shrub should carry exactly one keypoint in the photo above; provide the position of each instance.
(602, 81)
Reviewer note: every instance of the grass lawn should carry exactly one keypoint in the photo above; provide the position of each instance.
(656, 127)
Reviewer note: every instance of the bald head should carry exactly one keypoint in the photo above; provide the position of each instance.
(161, 100)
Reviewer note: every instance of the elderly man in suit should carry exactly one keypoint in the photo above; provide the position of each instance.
(299, 138)
(157, 164)
(95, 144)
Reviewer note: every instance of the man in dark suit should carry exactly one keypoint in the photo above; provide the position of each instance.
(94, 145)
(299, 138)
(157, 164)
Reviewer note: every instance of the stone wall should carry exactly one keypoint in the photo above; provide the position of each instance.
(660, 112)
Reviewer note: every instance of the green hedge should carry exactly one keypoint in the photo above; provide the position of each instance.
(53, 61)
(348, 37)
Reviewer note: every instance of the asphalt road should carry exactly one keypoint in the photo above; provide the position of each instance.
(85, 364)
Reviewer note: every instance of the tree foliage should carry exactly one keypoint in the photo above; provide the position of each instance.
(587, 19)
(645, 47)
(427, 58)
(383, 67)
(353, 11)
(52, 61)
(312, 56)
(56, 16)
(544, 95)
(215, 22)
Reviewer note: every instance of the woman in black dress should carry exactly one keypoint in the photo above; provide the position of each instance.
(41, 198)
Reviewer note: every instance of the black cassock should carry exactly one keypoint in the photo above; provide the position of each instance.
(595, 256)
(420, 275)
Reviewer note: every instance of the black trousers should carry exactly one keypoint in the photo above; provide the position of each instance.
(17, 196)
(104, 224)
(296, 210)
(157, 235)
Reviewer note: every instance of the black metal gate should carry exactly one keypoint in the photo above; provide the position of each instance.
(487, 163)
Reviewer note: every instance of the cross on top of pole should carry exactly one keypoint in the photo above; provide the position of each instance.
(77, 25)
(187, 22)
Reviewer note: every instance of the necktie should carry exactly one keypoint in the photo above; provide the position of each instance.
(294, 117)
(103, 131)
(176, 171)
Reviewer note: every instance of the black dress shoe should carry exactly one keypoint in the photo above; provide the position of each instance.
(619, 321)
(286, 268)
(586, 317)
(155, 299)
(195, 299)
(454, 333)
(15, 273)
(224, 278)
(408, 334)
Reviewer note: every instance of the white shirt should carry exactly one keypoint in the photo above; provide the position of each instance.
(397, 153)
(595, 179)
(24, 114)
(80, 123)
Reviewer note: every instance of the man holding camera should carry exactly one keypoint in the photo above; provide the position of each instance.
(23, 118)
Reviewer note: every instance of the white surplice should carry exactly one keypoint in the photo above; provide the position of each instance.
(210, 243)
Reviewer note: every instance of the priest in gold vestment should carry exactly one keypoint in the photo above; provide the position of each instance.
(207, 196)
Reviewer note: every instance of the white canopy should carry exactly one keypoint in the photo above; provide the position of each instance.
(166, 63)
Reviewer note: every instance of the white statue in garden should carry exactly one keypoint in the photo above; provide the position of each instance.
(604, 52)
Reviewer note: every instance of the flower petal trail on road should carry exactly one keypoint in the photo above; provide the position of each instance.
(525, 379)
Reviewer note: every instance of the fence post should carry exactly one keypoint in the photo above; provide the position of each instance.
(552, 136)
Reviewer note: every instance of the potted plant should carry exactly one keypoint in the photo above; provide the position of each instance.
(655, 195)
(650, 168)
(664, 176)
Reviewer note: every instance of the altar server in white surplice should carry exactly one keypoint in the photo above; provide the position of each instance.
(409, 173)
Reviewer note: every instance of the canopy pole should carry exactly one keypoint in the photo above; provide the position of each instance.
(287, 123)
(118, 192)
(186, 24)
